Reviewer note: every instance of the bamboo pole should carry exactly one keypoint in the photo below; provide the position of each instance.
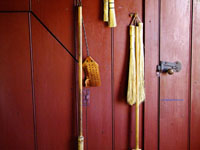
(80, 138)
(137, 89)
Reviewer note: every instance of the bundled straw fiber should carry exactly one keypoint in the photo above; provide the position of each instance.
(141, 64)
(136, 88)
(131, 95)
(112, 17)
(105, 14)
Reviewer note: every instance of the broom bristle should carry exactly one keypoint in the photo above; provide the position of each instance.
(105, 14)
(112, 17)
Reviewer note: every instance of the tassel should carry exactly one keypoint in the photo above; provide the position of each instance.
(112, 18)
(137, 61)
(141, 64)
(136, 89)
(105, 15)
(131, 94)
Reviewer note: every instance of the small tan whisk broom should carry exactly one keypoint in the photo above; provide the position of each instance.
(109, 13)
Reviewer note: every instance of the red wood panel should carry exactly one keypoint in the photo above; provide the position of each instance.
(124, 114)
(13, 5)
(16, 116)
(99, 111)
(151, 80)
(58, 17)
(54, 89)
(175, 46)
(195, 94)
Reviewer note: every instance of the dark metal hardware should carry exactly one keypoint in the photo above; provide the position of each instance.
(168, 67)
(86, 96)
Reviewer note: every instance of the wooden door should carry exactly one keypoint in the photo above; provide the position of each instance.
(173, 123)
(174, 89)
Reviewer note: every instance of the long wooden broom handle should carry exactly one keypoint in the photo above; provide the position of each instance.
(137, 111)
(80, 138)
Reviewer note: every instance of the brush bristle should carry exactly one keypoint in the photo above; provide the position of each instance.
(105, 15)
(112, 17)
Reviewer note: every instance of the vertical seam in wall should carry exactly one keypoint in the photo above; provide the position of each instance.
(30, 5)
(190, 75)
(159, 56)
(143, 116)
(76, 70)
(112, 88)
(32, 82)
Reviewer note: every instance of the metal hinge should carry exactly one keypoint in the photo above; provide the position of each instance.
(86, 96)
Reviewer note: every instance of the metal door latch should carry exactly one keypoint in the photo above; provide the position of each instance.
(168, 67)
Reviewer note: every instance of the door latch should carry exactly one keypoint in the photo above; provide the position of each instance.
(168, 67)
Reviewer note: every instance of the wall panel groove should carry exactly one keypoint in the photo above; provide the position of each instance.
(32, 82)
(112, 89)
(190, 75)
(195, 80)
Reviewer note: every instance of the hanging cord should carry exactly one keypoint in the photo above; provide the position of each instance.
(85, 38)
(79, 3)
(135, 19)
(88, 54)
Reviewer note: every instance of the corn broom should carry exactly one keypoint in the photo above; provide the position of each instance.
(136, 91)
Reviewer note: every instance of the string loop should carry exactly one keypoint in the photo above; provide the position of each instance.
(85, 38)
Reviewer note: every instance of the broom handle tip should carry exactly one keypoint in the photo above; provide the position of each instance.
(80, 143)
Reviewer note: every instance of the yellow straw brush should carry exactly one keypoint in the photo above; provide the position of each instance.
(105, 12)
(112, 17)
(131, 94)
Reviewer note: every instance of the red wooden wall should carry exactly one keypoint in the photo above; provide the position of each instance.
(16, 113)
(38, 105)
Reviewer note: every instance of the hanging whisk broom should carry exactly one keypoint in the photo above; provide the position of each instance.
(112, 17)
(109, 13)
(136, 92)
